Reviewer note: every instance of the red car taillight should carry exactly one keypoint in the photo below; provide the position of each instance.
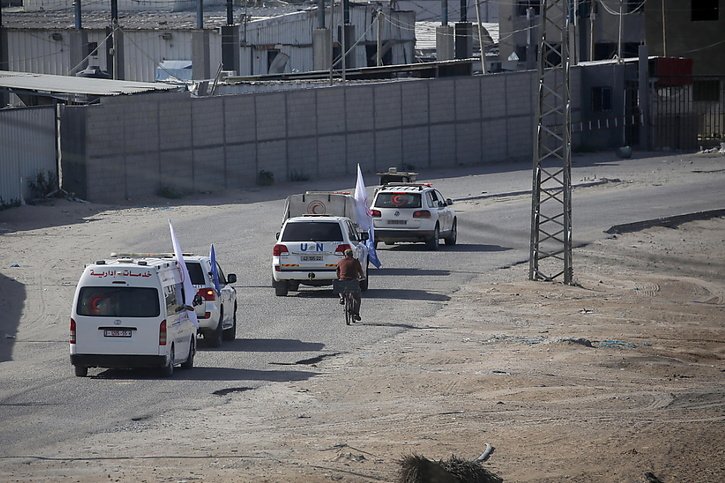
(208, 294)
(280, 250)
(162, 333)
(340, 250)
(421, 214)
(376, 213)
(72, 331)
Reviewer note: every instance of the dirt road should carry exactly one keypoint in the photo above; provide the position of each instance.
(618, 376)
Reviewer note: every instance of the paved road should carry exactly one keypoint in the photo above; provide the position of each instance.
(42, 403)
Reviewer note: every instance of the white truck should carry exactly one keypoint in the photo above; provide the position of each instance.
(329, 203)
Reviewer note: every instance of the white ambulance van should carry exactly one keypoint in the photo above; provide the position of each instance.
(128, 313)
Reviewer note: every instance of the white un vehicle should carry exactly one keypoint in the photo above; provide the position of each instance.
(216, 312)
(308, 248)
(129, 312)
(413, 212)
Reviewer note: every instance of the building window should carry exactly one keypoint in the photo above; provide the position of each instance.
(521, 52)
(630, 49)
(634, 6)
(92, 48)
(601, 99)
(704, 10)
(605, 50)
(706, 90)
(523, 5)
(271, 54)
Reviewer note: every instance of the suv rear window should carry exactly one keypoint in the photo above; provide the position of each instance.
(118, 302)
(312, 231)
(397, 200)
(195, 273)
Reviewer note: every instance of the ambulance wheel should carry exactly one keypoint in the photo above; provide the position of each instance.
(189, 362)
(81, 371)
(231, 333)
(168, 369)
(216, 335)
(281, 289)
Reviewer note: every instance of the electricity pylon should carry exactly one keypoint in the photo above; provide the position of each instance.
(550, 250)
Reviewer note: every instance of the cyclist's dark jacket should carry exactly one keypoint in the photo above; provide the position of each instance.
(349, 269)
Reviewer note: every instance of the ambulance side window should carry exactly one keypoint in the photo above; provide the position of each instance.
(172, 294)
(222, 277)
(351, 232)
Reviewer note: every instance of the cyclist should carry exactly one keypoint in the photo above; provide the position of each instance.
(349, 268)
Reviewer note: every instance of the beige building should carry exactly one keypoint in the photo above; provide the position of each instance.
(689, 28)
(594, 30)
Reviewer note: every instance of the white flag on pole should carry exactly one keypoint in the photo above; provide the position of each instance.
(365, 217)
(186, 280)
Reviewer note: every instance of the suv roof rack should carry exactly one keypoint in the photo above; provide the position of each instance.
(147, 255)
(420, 186)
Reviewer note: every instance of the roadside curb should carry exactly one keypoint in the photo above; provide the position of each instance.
(586, 184)
(669, 221)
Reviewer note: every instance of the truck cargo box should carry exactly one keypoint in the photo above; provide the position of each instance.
(331, 203)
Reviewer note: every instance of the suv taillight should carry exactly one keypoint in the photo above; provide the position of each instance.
(340, 250)
(421, 214)
(279, 250)
(207, 294)
(162, 333)
(376, 213)
(72, 331)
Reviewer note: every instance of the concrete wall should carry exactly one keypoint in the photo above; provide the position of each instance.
(131, 146)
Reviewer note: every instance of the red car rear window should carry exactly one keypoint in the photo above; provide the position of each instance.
(398, 200)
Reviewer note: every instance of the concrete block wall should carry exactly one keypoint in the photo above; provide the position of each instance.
(136, 145)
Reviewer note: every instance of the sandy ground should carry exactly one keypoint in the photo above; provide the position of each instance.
(616, 377)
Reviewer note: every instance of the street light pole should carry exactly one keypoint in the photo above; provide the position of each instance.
(619, 41)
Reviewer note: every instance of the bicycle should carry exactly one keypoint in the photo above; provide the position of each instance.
(347, 288)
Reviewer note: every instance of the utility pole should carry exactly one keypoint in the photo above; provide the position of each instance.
(345, 19)
(551, 235)
(592, 16)
(114, 38)
(480, 37)
(619, 38)
(378, 56)
(332, 41)
(664, 31)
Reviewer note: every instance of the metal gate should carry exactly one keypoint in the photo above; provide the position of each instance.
(27, 148)
(688, 113)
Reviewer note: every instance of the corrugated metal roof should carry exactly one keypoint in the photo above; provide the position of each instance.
(425, 34)
(78, 85)
(214, 17)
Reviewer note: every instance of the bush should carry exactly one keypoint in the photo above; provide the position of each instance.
(4, 205)
(170, 192)
(298, 176)
(44, 185)
(265, 178)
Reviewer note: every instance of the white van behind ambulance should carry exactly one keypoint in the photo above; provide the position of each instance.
(128, 313)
